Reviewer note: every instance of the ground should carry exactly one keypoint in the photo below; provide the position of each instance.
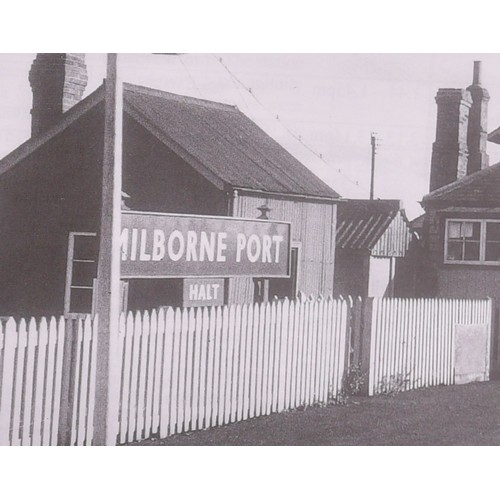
(455, 415)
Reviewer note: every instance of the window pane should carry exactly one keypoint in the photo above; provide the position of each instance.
(473, 230)
(471, 250)
(493, 231)
(454, 250)
(454, 229)
(86, 247)
(84, 273)
(492, 251)
(81, 301)
(466, 229)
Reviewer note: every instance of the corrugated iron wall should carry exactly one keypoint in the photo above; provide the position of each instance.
(395, 240)
(313, 227)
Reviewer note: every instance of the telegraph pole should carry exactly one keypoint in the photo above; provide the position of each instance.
(108, 271)
(372, 177)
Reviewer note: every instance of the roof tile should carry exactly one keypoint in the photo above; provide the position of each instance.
(226, 142)
(478, 189)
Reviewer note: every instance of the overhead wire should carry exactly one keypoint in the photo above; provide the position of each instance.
(193, 81)
(238, 81)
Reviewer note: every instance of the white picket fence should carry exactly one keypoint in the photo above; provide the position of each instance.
(30, 370)
(192, 369)
(180, 370)
(31, 380)
(412, 341)
(187, 369)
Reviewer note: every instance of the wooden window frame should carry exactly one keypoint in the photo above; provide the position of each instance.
(482, 244)
(69, 276)
(298, 246)
(265, 282)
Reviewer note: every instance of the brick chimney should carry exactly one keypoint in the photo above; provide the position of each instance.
(58, 82)
(477, 135)
(449, 151)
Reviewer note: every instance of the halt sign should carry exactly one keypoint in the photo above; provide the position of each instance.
(156, 245)
(203, 292)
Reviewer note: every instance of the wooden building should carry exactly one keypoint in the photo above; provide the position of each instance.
(373, 239)
(180, 155)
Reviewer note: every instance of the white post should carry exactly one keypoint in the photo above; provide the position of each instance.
(108, 273)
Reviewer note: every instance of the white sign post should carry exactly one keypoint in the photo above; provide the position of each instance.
(108, 271)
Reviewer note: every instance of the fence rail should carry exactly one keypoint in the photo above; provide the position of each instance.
(187, 369)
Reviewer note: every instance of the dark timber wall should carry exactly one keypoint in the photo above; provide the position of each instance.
(157, 180)
(57, 189)
(53, 191)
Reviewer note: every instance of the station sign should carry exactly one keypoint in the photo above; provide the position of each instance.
(156, 245)
(203, 292)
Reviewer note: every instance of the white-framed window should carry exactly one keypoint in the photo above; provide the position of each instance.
(472, 241)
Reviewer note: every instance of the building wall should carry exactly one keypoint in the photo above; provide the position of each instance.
(53, 191)
(361, 275)
(57, 189)
(453, 280)
(396, 239)
(351, 273)
(408, 271)
(469, 283)
(157, 180)
(313, 228)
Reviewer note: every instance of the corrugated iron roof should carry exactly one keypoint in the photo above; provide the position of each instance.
(360, 223)
(481, 188)
(223, 143)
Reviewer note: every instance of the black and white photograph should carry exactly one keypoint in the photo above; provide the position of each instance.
(207, 249)
(221, 249)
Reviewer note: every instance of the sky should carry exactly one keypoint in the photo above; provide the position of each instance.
(321, 107)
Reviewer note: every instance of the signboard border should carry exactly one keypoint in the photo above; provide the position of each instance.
(221, 217)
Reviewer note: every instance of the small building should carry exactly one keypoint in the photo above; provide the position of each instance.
(463, 237)
(180, 155)
(373, 238)
(461, 230)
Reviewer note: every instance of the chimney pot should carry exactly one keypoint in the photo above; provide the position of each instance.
(476, 79)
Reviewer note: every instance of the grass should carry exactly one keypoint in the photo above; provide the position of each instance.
(455, 415)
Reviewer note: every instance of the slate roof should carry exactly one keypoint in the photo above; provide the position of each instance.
(361, 223)
(222, 143)
(481, 188)
(216, 139)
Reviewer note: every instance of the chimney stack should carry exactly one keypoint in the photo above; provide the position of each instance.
(449, 151)
(477, 135)
(58, 82)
